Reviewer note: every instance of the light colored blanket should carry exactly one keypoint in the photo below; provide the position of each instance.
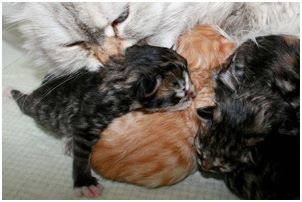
(34, 164)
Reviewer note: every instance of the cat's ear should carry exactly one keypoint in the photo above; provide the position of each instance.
(172, 47)
(148, 86)
(206, 113)
(226, 49)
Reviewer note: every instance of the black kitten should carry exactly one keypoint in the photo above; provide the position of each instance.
(254, 130)
(82, 105)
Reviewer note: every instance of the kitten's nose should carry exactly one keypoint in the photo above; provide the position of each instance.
(206, 165)
(191, 93)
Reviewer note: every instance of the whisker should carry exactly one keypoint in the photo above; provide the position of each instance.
(68, 79)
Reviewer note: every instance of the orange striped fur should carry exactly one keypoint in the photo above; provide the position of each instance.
(156, 149)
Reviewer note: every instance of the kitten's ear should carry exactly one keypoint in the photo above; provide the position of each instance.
(206, 113)
(134, 53)
(172, 47)
(226, 49)
(148, 86)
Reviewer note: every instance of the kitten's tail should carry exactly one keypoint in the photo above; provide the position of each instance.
(22, 101)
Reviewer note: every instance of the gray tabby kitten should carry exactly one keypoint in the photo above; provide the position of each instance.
(81, 105)
(52, 30)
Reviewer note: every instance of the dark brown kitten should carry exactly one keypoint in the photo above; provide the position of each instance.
(254, 129)
(81, 105)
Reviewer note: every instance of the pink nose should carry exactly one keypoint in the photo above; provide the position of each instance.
(191, 93)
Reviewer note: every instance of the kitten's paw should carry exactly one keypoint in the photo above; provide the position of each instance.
(89, 191)
(6, 91)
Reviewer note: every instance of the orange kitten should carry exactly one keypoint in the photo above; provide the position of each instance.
(157, 149)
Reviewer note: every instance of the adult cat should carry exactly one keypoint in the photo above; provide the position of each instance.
(55, 32)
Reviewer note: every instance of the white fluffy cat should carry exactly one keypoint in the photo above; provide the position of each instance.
(55, 32)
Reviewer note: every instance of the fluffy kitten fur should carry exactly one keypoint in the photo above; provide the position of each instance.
(81, 106)
(254, 130)
(49, 29)
(157, 149)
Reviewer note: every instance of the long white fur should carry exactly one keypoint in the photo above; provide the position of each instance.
(46, 27)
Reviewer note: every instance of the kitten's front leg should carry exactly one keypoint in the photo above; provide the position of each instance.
(84, 183)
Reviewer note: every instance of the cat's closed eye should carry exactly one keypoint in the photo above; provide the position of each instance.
(75, 43)
(121, 18)
(237, 68)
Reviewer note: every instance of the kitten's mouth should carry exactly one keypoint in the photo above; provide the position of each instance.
(213, 167)
(182, 105)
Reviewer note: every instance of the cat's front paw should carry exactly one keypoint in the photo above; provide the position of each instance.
(89, 191)
(88, 186)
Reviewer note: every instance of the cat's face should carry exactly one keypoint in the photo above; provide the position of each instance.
(253, 100)
(135, 16)
(164, 82)
(130, 22)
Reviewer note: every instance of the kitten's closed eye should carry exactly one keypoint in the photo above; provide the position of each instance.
(180, 84)
(75, 43)
(206, 113)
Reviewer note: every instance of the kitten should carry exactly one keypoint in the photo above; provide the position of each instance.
(52, 30)
(81, 106)
(254, 132)
(157, 149)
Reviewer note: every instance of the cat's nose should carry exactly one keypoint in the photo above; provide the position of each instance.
(191, 93)
(206, 165)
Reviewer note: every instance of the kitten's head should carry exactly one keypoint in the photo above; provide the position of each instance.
(256, 95)
(205, 47)
(162, 78)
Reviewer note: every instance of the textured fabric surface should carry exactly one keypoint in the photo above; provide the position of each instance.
(35, 167)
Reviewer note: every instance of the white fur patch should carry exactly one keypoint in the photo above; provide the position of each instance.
(180, 93)
(128, 43)
(187, 81)
(109, 32)
(226, 78)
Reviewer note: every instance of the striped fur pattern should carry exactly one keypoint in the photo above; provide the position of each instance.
(81, 106)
